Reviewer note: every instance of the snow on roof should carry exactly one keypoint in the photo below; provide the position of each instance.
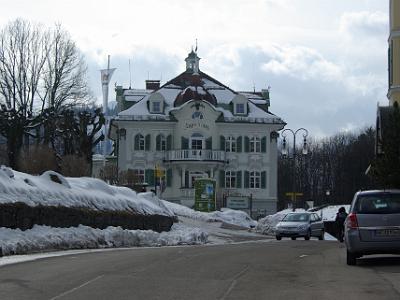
(53, 189)
(223, 94)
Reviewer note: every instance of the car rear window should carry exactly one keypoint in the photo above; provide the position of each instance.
(296, 218)
(378, 204)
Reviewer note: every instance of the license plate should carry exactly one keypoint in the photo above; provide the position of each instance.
(387, 232)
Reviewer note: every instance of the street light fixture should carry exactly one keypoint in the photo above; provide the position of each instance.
(285, 153)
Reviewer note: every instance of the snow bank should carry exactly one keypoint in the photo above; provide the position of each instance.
(230, 216)
(44, 238)
(267, 224)
(53, 189)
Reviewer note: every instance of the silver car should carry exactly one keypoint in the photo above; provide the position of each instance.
(304, 224)
(373, 224)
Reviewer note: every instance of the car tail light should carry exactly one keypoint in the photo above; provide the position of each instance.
(352, 221)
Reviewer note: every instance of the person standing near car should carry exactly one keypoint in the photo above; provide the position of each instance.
(341, 216)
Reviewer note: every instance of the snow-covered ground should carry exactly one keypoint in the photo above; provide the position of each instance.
(53, 189)
(74, 192)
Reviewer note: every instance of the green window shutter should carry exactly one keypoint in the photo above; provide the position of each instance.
(158, 142)
(246, 179)
(222, 179)
(185, 143)
(239, 144)
(239, 179)
(222, 142)
(209, 143)
(147, 142)
(246, 144)
(264, 144)
(186, 179)
(263, 180)
(136, 147)
(149, 176)
(169, 177)
(169, 142)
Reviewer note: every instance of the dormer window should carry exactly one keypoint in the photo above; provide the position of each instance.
(239, 105)
(156, 107)
(240, 108)
(156, 103)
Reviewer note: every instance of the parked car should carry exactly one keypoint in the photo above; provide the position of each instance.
(373, 224)
(296, 224)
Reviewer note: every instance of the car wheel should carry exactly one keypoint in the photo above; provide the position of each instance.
(321, 237)
(293, 238)
(307, 237)
(278, 237)
(351, 259)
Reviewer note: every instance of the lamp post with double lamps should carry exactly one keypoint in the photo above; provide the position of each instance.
(285, 153)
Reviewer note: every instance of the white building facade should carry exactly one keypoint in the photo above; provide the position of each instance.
(195, 127)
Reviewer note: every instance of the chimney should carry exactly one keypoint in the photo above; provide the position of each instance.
(152, 84)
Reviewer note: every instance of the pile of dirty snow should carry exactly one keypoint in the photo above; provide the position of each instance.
(53, 189)
(226, 215)
(267, 224)
(44, 238)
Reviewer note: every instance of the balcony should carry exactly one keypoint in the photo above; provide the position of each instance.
(195, 155)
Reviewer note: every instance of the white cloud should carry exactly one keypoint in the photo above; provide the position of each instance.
(364, 24)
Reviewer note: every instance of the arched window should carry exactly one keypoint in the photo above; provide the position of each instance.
(161, 143)
(139, 142)
(255, 144)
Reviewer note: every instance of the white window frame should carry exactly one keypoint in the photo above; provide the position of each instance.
(255, 144)
(142, 142)
(230, 144)
(139, 173)
(230, 179)
(255, 180)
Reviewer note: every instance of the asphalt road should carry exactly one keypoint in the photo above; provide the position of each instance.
(257, 270)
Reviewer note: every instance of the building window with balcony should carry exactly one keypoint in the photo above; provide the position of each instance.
(230, 179)
(230, 144)
(196, 142)
(255, 180)
(139, 175)
(255, 144)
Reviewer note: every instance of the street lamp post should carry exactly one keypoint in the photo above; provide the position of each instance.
(285, 153)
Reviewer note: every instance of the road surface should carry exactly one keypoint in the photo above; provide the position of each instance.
(255, 270)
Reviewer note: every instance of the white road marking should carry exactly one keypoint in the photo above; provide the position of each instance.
(76, 288)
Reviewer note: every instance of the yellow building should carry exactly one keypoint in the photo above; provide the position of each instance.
(394, 52)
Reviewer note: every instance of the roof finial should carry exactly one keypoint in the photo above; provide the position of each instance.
(195, 50)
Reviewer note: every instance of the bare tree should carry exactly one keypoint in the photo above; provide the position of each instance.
(65, 82)
(41, 73)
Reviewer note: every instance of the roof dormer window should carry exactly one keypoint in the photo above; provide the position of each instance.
(239, 105)
(156, 107)
(156, 103)
(240, 108)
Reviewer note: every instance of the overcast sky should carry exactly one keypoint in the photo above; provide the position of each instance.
(325, 60)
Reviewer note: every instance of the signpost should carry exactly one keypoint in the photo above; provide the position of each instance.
(204, 194)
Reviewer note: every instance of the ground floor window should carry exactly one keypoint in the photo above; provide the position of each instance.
(255, 180)
(139, 174)
(230, 179)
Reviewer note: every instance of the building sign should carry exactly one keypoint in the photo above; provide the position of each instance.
(237, 202)
(196, 124)
(204, 194)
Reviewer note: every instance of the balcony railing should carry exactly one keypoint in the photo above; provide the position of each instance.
(195, 155)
